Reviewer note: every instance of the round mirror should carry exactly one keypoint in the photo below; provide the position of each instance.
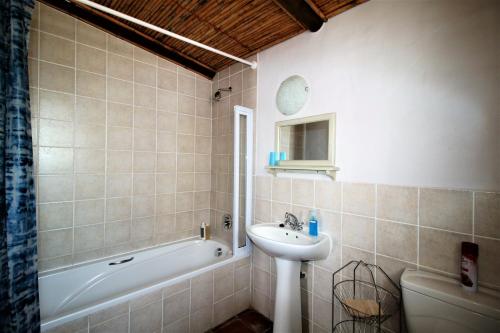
(292, 95)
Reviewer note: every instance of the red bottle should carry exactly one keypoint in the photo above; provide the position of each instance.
(468, 272)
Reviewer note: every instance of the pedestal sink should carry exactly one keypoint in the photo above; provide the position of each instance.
(289, 248)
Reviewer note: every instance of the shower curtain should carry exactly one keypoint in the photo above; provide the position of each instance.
(19, 308)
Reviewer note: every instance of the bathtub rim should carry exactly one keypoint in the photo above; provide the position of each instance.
(55, 322)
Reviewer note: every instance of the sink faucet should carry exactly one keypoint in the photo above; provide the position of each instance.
(293, 221)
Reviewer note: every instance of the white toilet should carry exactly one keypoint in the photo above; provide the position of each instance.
(437, 304)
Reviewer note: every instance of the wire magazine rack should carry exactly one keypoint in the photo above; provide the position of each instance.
(368, 296)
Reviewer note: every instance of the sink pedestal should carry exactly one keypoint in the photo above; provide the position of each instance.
(287, 307)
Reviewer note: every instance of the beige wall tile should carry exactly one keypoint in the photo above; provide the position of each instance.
(303, 192)
(89, 212)
(186, 85)
(201, 319)
(263, 187)
(184, 201)
(89, 186)
(89, 237)
(223, 282)
(183, 221)
(144, 96)
(323, 283)
(90, 59)
(203, 126)
(322, 312)
(203, 108)
(120, 67)
(120, 91)
(55, 133)
(489, 270)
(119, 161)
(185, 124)
(147, 319)
(144, 56)
(120, 115)
(446, 209)
(55, 215)
(203, 89)
(327, 195)
(487, 214)
(263, 211)
(249, 78)
(167, 142)
(89, 110)
(55, 77)
(167, 80)
(90, 136)
(121, 47)
(441, 249)
(144, 161)
(359, 199)
(89, 35)
(55, 243)
(144, 139)
(242, 278)
(166, 101)
(33, 75)
(57, 23)
(185, 143)
(142, 229)
(118, 209)
(282, 189)
(144, 183)
(119, 185)
(166, 64)
(166, 121)
(143, 206)
(397, 240)
(165, 204)
(397, 203)
(394, 268)
(55, 160)
(166, 162)
(144, 74)
(90, 85)
(175, 307)
(119, 138)
(144, 118)
(47, 184)
(224, 310)
(203, 144)
(185, 182)
(358, 232)
(89, 160)
(57, 50)
(186, 105)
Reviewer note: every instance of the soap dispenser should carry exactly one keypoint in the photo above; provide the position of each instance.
(313, 223)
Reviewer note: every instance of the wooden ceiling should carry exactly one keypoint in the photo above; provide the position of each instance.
(238, 27)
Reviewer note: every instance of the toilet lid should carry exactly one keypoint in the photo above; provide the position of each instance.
(485, 301)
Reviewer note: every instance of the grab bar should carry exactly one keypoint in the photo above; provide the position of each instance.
(121, 261)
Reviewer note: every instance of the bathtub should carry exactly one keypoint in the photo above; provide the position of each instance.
(72, 293)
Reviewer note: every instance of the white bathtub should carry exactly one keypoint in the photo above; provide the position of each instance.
(76, 292)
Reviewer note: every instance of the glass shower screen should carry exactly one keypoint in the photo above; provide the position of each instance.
(242, 173)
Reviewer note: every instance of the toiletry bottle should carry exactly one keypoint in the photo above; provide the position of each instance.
(468, 273)
(207, 231)
(313, 223)
(203, 231)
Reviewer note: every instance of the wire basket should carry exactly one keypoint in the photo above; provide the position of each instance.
(363, 300)
(353, 326)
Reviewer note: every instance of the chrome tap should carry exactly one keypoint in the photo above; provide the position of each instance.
(293, 222)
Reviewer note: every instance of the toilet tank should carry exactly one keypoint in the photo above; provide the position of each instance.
(438, 304)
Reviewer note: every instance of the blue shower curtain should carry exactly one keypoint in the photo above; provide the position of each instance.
(19, 308)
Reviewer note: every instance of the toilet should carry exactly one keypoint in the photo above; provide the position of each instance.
(438, 304)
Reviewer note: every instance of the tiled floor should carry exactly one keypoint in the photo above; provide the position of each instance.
(248, 321)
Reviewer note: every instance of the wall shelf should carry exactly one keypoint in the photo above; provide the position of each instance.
(330, 171)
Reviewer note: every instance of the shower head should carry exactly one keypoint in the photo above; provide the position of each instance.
(218, 93)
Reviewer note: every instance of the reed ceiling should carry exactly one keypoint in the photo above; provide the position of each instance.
(239, 27)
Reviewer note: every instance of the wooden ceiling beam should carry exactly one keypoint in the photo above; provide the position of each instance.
(123, 31)
(301, 12)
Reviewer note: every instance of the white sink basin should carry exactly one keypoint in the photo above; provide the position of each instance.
(289, 248)
(289, 244)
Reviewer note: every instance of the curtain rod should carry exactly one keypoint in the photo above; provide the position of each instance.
(113, 12)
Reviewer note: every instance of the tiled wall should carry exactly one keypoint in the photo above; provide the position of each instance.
(243, 81)
(194, 305)
(123, 151)
(394, 227)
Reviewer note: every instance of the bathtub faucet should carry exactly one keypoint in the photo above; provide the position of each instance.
(293, 222)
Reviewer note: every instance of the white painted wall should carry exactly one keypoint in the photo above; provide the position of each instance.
(416, 89)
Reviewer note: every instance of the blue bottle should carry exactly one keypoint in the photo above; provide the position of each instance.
(313, 223)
